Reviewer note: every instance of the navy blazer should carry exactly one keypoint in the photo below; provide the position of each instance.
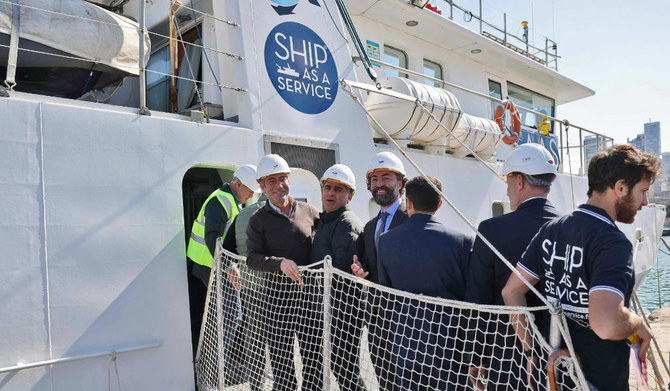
(510, 234)
(423, 256)
(367, 252)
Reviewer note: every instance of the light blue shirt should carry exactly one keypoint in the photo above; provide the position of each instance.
(276, 209)
(391, 212)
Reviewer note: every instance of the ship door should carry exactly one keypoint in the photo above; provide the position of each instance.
(197, 185)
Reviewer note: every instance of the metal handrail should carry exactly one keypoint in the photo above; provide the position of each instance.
(503, 30)
(20, 367)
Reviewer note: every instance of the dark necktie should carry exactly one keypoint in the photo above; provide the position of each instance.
(382, 227)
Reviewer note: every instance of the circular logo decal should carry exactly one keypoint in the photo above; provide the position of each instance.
(301, 68)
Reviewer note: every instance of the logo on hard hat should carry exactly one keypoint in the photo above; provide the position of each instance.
(550, 162)
(275, 166)
(380, 161)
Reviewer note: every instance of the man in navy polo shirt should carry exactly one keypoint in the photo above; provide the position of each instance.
(584, 263)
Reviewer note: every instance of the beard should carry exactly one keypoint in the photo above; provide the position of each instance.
(385, 199)
(626, 209)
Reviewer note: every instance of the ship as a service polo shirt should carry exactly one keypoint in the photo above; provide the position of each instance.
(573, 256)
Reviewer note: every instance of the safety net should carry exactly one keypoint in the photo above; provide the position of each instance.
(338, 332)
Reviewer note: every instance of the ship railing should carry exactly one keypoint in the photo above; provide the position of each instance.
(141, 69)
(547, 56)
(569, 140)
(111, 354)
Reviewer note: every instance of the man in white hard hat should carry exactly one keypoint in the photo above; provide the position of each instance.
(214, 221)
(336, 235)
(529, 171)
(583, 263)
(279, 239)
(386, 181)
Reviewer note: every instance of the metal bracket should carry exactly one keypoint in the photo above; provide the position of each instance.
(145, 111)
(10, 79)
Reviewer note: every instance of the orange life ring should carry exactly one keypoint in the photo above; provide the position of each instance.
(551, 366)
(511, 135)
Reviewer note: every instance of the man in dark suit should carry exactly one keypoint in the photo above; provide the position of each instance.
(529, 171)
(386, 181)
(424, 257)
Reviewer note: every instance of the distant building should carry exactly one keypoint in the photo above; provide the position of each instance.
(663, 179)
(638, 142)
(592, 144)
(652, 138)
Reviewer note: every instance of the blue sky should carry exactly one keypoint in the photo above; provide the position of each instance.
(620, 49)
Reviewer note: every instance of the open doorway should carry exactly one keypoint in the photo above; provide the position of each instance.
(198, 183)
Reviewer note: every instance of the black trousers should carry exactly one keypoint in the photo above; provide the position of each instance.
(255, 337)
(347, 322)
(502, 359)
(291, 312)
(197, 294)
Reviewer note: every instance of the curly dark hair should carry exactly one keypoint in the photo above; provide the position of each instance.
(621, 162)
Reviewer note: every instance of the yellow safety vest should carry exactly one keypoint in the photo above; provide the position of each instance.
(197, 248)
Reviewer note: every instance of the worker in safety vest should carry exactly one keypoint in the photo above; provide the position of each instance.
(214, 221)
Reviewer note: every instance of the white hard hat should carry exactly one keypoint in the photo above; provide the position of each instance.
(385, 161)
(247, 175)
(270, 165)
(341, 174)
(530, 159)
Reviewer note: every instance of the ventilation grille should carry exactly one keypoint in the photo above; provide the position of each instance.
(315, 160)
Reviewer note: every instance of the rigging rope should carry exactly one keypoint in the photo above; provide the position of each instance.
(567, 146)
(362, 53)
(197, 29)
(432, 116)
(112, 361)
(190, 68)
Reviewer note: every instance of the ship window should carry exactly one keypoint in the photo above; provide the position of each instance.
(495, 91)
(159, 87)
(395, 57)
(531, 100)
(434, 70)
